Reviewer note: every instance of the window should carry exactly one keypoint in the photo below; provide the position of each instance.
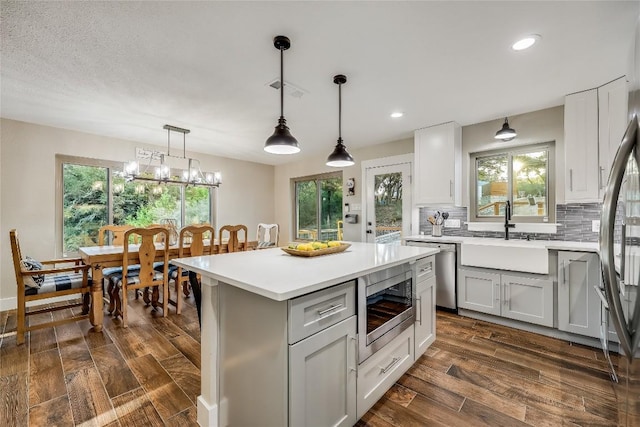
(318, 206)
(521, 175)
(93, 195)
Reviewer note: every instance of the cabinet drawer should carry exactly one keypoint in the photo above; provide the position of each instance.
(425, 268)
(312, 313)
(378, 373)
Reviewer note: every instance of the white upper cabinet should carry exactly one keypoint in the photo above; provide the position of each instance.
(613, 101)
(594, 123)
(581, 147)
(438, 165)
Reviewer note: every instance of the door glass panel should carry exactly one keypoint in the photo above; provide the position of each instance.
(306, 210)
(530, 184)
(492, 181)
(388, 207)
(84, 206)
(330, 208)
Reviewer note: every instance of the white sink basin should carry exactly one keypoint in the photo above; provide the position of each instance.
(513, 255)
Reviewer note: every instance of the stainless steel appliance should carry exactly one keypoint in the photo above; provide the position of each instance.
(386, 307)
(445, 273)
(619, 249)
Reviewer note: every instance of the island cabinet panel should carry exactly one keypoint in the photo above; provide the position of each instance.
(314, 312)
(378, 373)
(479, 291)
(425, 325)
(322, 377)
(578, 301)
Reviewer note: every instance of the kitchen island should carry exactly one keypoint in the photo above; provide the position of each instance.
(248, 321)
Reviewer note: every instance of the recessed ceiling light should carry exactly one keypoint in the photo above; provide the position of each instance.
(525, 42)
(397, 114)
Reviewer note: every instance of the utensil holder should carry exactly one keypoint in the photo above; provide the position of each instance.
(436, 230)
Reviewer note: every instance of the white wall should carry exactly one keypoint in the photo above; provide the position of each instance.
(534, 127)
(28, 188)
(306, 167)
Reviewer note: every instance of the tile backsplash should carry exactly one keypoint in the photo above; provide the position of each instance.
(574, 223)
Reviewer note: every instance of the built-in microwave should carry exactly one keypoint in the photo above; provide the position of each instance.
(386, 307)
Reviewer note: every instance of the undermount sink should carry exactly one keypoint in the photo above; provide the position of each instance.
(513, 255)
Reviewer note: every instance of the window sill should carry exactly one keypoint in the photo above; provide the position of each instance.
(521, 227)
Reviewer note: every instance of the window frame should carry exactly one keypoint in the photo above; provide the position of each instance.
(511, 152)
(112, 167)
(294, 199)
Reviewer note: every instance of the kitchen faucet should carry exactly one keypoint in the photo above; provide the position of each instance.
(507, 217)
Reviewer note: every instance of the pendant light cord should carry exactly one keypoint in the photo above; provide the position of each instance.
(340, 111)
(281, 83)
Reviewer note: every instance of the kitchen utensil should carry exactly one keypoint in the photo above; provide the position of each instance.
(431, 219)
(445, 215)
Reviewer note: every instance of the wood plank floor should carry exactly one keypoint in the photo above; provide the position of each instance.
(476, 373)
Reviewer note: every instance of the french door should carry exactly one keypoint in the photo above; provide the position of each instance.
(387, 212)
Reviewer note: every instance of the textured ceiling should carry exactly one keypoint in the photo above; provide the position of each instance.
(124, 69)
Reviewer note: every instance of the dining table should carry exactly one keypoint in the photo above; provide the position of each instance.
(101, 257)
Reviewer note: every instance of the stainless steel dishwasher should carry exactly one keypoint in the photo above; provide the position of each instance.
(445, 273)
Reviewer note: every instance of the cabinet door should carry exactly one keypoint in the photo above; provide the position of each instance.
(479, 291)
(528, 299)
(581, 147)
(322, 377)
(578, 301)
(438, 165)
(612, 122)
(425, 332)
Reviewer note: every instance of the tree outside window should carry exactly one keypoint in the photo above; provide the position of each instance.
(318, 207)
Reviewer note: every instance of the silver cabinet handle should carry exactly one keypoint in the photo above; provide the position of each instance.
(564, 279)
(332, 308)
(393, 363)
(570, 179)
(426, 269)
(506, 294)
(419, 309)
(350, 368)
(450, 188)
(600, 177)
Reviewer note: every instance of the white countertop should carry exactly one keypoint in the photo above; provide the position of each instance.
(277, 275)
(557, 245)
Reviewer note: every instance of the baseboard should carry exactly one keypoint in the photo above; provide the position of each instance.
(8, 303)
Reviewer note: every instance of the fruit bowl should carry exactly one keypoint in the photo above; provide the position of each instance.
(318, 252)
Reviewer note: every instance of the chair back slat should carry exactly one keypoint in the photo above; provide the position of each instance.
(233, 244)
(17, 257)
(117, 234)
(147, 252)
(268, 234)
(197, 233)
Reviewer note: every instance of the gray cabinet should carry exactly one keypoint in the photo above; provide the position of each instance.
(528, 298)
(425, 325)
(479, 291)
(322, 377)
(425, 331)
(578, 301)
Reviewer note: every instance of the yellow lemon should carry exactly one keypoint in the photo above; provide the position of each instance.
(316, 245)
(333, 243)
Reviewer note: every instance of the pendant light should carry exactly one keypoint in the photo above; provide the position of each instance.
(340, 157)
(281, 142)
(506, 133)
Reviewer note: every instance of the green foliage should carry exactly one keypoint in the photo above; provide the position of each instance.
(85, 204)
(309, 216)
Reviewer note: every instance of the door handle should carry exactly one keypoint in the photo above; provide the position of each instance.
(570, 179)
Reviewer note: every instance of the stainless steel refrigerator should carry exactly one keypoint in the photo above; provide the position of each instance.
(620, 257)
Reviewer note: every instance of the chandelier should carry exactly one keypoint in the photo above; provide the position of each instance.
(164, 172)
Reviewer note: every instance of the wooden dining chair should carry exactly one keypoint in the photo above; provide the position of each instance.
(267, 235)
(200, 241)
(146, 276)
(233, 243)
(60, 277)
(114, 232)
